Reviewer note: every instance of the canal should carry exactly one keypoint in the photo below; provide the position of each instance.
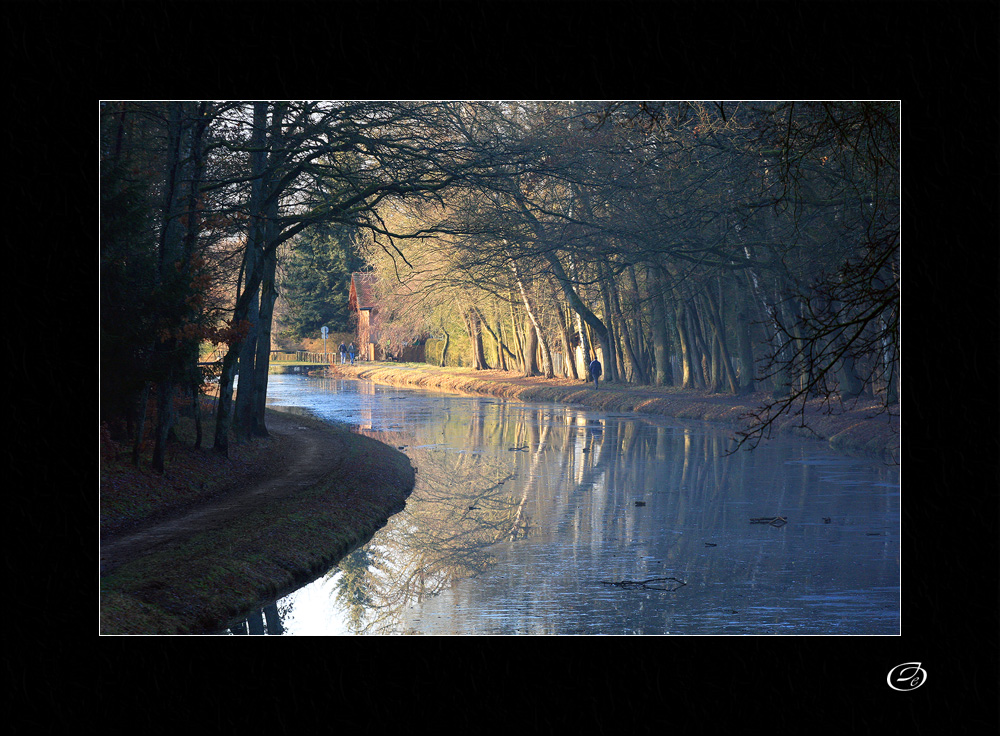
(553, 519)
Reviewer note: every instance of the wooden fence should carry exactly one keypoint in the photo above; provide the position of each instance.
(300, 356)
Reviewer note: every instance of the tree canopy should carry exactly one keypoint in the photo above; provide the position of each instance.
(729, 246)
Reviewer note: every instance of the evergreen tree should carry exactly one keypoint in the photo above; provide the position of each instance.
(317, 280)
(128, 269)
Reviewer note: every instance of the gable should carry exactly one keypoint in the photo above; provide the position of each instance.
(362, 295)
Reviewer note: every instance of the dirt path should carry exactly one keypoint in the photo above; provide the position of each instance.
(303, 456)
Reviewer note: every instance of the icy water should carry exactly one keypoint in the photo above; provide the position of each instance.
(553, 519)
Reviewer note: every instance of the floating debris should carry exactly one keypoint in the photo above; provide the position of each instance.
(772, 520)
(646, 584)
(711, 544)
(826, 519)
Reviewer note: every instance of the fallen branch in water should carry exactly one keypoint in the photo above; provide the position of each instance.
(772, 520)
(645, 584)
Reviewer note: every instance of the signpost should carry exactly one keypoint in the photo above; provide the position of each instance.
(325, 331)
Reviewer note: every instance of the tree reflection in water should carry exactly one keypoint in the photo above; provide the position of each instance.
(468, 500)
(462, 505)
(611, 497)
(254, 623)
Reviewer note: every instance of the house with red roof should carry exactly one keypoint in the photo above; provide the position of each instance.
(367, 317)
(361, 302)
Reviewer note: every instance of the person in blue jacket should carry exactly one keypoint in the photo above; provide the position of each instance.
(595, 370)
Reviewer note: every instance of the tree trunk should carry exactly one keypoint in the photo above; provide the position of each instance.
(639, 340)
(518, 343)
(140, 423)
(695, 347)
(686, 326)
(224, 407)
(253, 273)
(497, 338)
(171, 264)
(595, 323)
(782, 368)
(164, 421)
(631, 350)
(715, 320)
(687, 362)
(583, 351)
(850, 385)
(530, 350)
(569, 370)
(701, 342)
(798, 364)
(529, 308)
(501, 357)
(744, 337)
(560, 273)
(196, 406)
(663, 375)
(229, 364)
(268, 289)
(191, 235)
(892, 389)
(714, 363)
(613, 366)
(472, 325)
(444, 349)
(268, 295)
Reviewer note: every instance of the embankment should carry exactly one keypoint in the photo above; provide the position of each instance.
(858, 429)
(321, 492)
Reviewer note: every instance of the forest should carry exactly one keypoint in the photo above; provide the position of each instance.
(732, 246)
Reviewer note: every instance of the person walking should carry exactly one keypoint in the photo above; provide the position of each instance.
(351, 350)
(343, 353)
(595, 371)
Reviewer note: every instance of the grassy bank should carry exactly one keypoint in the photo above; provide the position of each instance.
(270, 546)
(857, 430)
(132, 496)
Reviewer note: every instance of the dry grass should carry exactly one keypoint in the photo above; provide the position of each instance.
(132, 495)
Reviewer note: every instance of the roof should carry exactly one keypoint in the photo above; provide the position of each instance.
(363, 290)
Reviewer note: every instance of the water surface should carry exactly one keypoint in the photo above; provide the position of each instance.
(555, 519)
